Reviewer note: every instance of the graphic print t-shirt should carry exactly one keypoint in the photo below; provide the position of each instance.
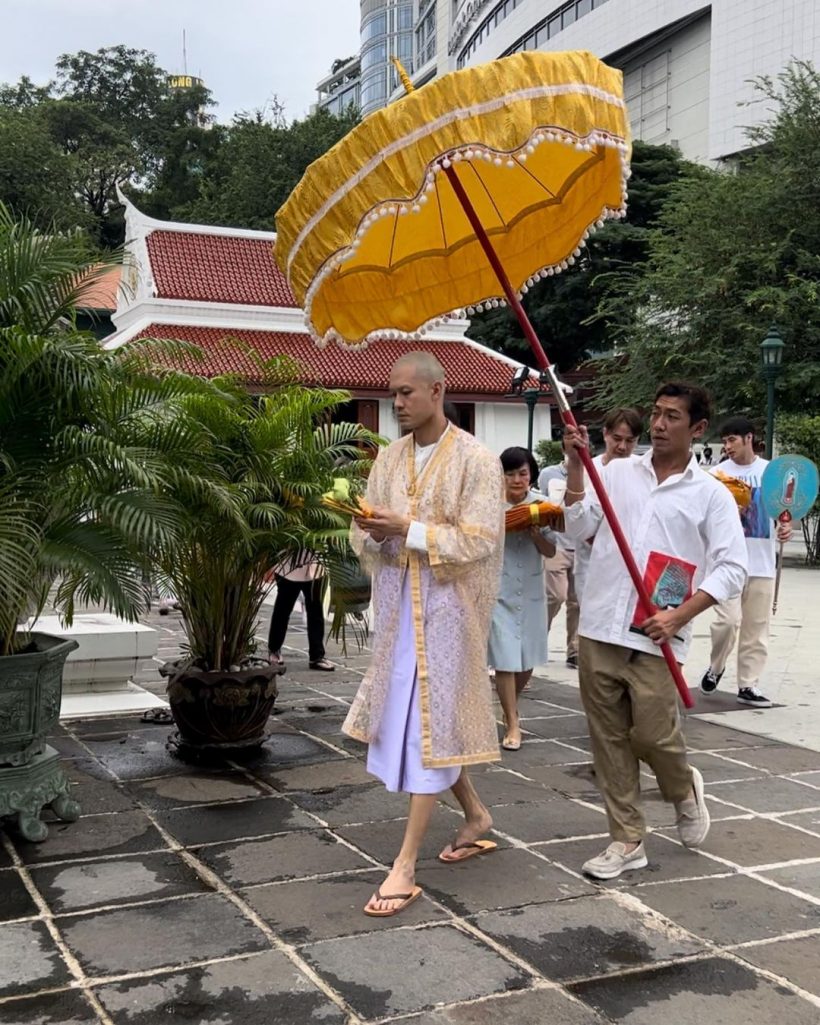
(757, 526)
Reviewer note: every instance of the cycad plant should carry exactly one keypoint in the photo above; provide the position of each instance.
(92, 443)
(274, 455)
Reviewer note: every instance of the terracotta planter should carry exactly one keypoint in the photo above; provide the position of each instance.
(31, 690)
(222, 710)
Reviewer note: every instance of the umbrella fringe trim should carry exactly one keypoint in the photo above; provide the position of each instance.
(541, 134)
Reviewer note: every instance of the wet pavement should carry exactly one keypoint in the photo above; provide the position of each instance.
(233, 894)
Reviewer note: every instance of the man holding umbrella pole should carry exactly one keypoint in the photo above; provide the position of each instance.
(683, 528)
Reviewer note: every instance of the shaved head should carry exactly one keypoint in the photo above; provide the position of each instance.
(423, 365)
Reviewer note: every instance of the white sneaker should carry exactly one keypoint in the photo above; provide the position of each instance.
(615, 860)
(693, 815)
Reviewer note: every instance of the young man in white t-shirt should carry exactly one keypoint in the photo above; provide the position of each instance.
(749, 614)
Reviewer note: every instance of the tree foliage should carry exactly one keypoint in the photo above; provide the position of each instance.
(259, 161)
(562, 308)
(735, 249)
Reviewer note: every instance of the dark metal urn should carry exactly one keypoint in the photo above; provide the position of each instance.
(220, 711)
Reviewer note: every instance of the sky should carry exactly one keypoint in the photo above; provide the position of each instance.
(246, 51)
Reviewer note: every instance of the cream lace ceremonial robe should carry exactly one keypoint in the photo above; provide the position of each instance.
(458, 496)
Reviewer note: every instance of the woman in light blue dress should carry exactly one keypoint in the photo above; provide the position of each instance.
(518, 633)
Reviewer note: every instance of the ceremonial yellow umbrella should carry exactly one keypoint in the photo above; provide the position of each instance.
(460, 196)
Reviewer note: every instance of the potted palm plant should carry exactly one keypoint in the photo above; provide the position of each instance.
(88, 442)
(275, 454)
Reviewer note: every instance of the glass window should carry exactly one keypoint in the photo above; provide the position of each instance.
(405, 16)
(554, 26)
(374, 55)
(541, 36)
(583, 7)
(377, 26)
(568, 16)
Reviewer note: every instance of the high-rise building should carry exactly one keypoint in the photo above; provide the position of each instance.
(688, 64)
(386, 32)
(342, 87)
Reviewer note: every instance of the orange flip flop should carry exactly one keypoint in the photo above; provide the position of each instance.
(471, 848)
(405, 898)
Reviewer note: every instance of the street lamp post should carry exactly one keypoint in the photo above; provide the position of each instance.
(530, 395)
(771, 354)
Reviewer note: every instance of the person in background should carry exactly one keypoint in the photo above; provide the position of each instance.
(518, 641)
(560, 569)
(305, 577)
(746, 618)
(434, 546)
(622, 431)
(707, 455)
(684, 532)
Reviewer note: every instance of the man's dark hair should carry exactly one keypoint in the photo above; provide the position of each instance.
(697, 399)
(516, 457)
(625, 415)
(739, 425)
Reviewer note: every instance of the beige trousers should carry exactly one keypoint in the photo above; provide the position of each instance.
(560, 578)
(632, 711)
(745, 620)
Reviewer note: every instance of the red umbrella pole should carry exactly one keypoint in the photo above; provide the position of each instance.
(569, 419)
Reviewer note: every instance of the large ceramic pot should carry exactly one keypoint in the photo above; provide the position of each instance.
(31, 690)
(224, 710)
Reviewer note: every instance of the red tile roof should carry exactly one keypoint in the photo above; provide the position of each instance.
(468, 370)
(101, 294)
(217, 269)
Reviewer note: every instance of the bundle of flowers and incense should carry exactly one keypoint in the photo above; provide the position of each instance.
(534, 514)
(741, 491)
(342, 501)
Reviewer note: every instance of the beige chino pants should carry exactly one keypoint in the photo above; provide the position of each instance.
(632, 710)
(560, 583)
(746, 620)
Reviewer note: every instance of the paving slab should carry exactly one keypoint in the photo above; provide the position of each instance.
(29, 960)
(382, 840)
(561, 727)
(70, 887)
(135, 754)
(289, 856)
(284, 749)
(779, 759)
(714, 769)
(400, 971)
(796, 960)
(125, 832)
(504, 879)
(322, 778)
(667, 860)
(531, 1007)
(15, 900)
(582, 938)
(160, 935)
(65, 1008)
(555, 819)
(778, 795)
(498, 786)
(731, 910)
(710, 990)
(705, 736)
(350, 805)
(96, 796)
(572, 780)
(213, 823)
(266, 989)
(805, 878)
(195, 787)
(809, 820)
(754, 841)
(318, 909)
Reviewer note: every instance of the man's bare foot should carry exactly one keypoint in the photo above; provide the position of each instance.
(473, 829)
(400, 879)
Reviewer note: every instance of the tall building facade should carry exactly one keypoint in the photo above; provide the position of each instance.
(386, 32)
(688, 64)
(342, 88)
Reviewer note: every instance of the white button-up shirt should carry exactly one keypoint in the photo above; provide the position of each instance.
(685, 535)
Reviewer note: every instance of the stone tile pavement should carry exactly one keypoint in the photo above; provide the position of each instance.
(233, 894)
